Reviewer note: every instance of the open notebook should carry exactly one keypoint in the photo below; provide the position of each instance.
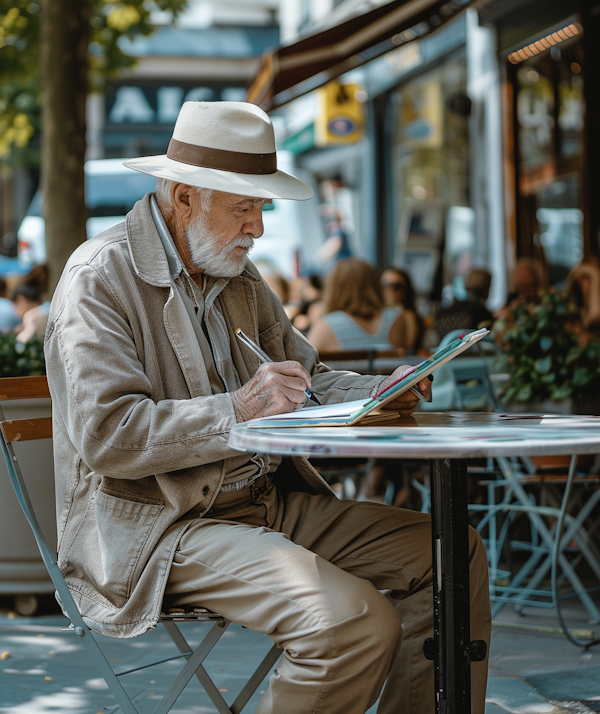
(368, 411)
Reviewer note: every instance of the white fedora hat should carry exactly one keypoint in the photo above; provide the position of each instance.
(225, 146)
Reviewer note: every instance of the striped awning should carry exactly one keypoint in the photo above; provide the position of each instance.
(289, 71)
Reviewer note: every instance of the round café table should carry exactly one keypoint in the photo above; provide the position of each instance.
(447, 439)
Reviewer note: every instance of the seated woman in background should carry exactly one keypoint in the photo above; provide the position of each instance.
(28, 301)
(398, 291)
(355, 315)
(583, 284)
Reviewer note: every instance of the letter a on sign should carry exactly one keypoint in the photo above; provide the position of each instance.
(130, 105)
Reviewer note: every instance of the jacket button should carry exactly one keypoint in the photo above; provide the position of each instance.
(205, 491)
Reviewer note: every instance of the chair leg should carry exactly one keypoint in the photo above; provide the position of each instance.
(249, 688)
(547, 540)
(214, 635)
(107, 672)
(253, 683)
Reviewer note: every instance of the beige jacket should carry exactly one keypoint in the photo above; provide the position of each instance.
(139, 439)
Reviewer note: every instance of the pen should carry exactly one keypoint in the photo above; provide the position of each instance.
(416, 391)
(264, 357)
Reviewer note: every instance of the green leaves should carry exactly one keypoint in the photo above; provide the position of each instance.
(19, 74)
(561, 393)
(546, 342)
(20, 89)
(582, 376)
(544, 357)
(544, 365)
(21, 359)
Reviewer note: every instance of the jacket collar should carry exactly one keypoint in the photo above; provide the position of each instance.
(173, 258)
(145, 246)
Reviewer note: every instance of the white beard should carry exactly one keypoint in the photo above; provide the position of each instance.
(206, 255)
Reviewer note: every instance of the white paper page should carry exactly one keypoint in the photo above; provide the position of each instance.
(343, 409)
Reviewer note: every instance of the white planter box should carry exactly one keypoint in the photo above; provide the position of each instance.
(22, 570)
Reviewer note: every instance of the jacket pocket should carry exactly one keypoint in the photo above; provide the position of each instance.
(123, 527)
(272, 343)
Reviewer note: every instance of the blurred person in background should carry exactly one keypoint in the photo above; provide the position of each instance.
(583, 285)
(28, 300)
(398, 291)
(525, 285)
(279, 285)
(526, 281)
(309, 302)
(8, 315)
(355, 314)
(469, 314)
(336, 246)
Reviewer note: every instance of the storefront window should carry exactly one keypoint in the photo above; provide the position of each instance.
(430, 172)
(550, 115)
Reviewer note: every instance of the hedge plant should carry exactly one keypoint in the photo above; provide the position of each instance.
(548, 357)
(21, 359)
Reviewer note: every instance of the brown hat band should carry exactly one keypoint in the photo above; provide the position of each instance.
(236, 161)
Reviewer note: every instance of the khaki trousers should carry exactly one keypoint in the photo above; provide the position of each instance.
(307, 570)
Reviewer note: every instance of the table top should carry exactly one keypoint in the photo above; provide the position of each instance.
(432, 435)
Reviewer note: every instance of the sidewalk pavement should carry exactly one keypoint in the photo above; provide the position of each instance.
(43, 670)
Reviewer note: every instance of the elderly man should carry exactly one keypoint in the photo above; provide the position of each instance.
(147, 380)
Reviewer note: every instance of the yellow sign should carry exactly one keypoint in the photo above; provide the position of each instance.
(340, 118)
(423, 115)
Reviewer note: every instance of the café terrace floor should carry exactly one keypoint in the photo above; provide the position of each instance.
(533, 668)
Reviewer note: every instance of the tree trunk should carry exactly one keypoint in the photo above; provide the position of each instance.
(64, 42)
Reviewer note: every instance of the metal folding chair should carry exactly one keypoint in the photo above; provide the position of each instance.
(41, 428)
(474, 391)
(507, 481)
(524, 587)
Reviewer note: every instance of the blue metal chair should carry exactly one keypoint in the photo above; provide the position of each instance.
(523, 587)
(41, 428)
(507, 482)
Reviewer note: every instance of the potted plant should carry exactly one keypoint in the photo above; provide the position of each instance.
(550, 362)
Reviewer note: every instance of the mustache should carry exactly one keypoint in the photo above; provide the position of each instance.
(241, 242)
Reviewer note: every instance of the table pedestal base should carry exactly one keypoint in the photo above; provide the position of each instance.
(451, 648)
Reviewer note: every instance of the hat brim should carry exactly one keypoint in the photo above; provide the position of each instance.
(277, 185)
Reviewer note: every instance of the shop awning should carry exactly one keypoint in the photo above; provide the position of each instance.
(289, 71)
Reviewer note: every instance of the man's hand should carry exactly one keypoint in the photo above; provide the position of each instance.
(407, 402)
(276, 388)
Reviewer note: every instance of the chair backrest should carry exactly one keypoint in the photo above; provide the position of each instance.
(23, 388)
(462, 384)
(473, 388)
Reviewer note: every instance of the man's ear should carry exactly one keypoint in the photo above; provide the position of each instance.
(180, 198)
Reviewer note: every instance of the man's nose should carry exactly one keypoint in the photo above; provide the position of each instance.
(254, 225)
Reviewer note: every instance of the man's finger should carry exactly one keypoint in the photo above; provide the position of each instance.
(291, 383)
(424, 386)
(290, 368)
